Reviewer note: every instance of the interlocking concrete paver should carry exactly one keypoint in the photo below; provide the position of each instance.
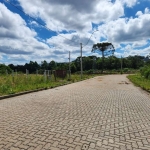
(96, 114)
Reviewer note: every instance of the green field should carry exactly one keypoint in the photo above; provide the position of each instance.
(19, 83)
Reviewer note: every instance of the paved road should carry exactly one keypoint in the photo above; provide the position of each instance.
(106, 112)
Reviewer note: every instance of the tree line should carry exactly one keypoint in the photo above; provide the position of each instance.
(90, 63)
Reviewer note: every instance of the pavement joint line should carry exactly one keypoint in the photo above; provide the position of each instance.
(120, 127)
(84, 116)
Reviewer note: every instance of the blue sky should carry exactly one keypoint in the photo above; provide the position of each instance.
(124, 23)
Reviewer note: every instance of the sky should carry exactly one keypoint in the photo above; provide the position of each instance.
(49, 29)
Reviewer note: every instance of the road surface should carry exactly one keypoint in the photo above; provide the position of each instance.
(102, 113)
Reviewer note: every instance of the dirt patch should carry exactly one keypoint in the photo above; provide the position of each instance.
(100, 79)
(123, 82)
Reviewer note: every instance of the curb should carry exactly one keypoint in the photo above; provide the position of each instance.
(37, 90)
(21, 93)
(27, 92)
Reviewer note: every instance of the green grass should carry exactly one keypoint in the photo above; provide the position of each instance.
(140, 81)
(21, 83)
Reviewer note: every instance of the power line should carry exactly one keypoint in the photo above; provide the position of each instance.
(7, 1)
(89, 38)
(40, 23)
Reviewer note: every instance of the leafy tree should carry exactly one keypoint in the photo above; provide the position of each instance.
(87, 63)
(62, 66)
(12, 66)
(99, 63)
(33, 66)
(112, 62)
(105, 49)
(52, 65)
(20, 68)
(44, 65)
(135, 61)
(77, 63)
(3, 69)
(73, 67)
(147, 60)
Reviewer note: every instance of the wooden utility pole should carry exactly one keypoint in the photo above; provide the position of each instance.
(81, 61)
(69, 66)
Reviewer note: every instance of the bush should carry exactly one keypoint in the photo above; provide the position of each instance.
(3, 69)
(125, 70)
(90, 71)
(145, 71)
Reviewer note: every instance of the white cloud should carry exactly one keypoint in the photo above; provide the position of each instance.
(19, 42)
(139, 13)
(16, 38)
(139, 44)
(11, 24)
(147, 11)
(132, 32)
(127, 30)
(131, 49)
(129, 3)
(73, 15)
(143, 52)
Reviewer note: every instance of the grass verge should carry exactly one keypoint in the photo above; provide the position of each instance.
(140, 81)
(22, 83)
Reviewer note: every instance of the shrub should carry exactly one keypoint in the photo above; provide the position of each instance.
(3, 69)
(145, 71)
(125, 70)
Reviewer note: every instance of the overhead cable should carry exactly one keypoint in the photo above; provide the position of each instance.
(40, 23)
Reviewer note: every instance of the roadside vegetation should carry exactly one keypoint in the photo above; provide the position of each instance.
(21, 82)
(142, 79)
(31, 76)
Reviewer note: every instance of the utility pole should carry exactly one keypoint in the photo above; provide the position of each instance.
(121, 64)
(81, 60)
(69, 66)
